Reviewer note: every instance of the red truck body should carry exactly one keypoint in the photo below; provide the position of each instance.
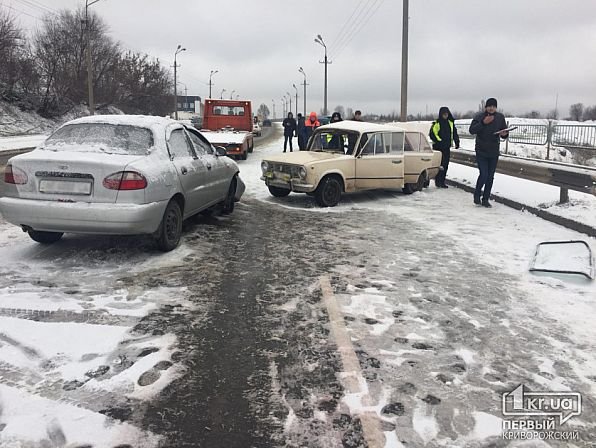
(231, 123)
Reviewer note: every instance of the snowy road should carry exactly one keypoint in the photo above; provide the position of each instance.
(391, 319)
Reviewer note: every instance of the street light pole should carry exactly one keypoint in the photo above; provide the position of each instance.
(283, 102)
(232, 94)
(221, 94)
(320, 41)
(296, 88)
(301, 70)
(404, 64)
(213, 72)
(178, 50)
(89, 64)
(290, 98)
(273, 104)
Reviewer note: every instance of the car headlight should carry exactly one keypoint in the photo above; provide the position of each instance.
(264, 166)
(302, 173)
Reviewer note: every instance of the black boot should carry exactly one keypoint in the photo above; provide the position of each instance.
(477, 200)
(486, 204)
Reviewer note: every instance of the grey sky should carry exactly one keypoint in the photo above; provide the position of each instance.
(523, 52)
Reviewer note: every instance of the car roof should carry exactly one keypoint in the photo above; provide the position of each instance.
(360, 126)
(155, 123)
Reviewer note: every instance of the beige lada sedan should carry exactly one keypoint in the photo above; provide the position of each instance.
(351, 156)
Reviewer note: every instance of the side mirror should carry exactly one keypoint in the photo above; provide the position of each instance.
(220, 151)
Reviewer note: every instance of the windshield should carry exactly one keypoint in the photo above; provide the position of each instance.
(101, 137)
(334, 140)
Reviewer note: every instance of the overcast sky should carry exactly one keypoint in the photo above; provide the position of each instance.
(523, 52)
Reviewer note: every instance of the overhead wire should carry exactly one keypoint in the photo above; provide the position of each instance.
(23, 12)
(361, 8)
(37, 7)
(362, 25)
(343, 28)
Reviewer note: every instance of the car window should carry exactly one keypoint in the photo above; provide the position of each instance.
(376, 144)
(178, 145)
(397, 142)
(412, 142)
(101, 137)
(201, 147)
(333, 140)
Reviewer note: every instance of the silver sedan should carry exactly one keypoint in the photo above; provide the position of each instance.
(119, 175)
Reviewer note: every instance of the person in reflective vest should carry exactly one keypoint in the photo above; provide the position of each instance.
(443, 133)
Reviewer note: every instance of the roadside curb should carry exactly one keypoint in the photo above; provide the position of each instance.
(547, 216)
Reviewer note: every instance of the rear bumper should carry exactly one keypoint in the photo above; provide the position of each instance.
(82, 217)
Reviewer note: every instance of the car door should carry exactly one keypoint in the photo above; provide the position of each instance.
(219, 174)
(191, 171)
(379, 164)
(418, 156)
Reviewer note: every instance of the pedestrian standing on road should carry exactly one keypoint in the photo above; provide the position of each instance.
(488, 127)
(289, 125)
(443, 133)
(335, 141)
(357, 116)
(301, 132)
(310, 125)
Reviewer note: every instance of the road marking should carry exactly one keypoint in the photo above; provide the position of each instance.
(353, 378)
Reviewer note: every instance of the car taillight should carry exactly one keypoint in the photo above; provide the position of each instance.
(125, 180)
(14, 175)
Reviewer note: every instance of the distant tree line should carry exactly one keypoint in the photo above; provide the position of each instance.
(47, 71)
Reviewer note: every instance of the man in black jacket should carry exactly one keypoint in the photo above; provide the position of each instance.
(289, 125)
(488, 126)
(443, 133)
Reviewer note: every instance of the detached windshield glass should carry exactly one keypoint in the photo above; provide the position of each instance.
(342, 142)
(101, 137)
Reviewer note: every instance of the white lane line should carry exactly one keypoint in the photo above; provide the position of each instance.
(352, 378)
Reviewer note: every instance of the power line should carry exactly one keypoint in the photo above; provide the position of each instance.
(351, 23)
(36, 6)
(362, 25)
(23, 12)
(343, 28)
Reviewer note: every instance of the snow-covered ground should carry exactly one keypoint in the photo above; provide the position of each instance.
(443, 317)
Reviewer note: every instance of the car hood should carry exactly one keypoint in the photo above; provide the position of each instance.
(306, 157)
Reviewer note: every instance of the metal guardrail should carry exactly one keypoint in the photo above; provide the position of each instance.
(566, 177)
(573, 136)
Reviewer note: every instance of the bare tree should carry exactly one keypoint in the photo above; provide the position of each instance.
(263, 111)
(590, 113)
(576, 111)
(341, 110)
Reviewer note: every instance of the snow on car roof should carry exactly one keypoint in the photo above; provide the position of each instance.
(154, 123)
(360, 126)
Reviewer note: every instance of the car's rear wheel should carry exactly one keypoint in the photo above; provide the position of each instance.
(418, 186)
(230, 200)
(328, 193)
(170, 229)
(244, 155)
(252, 146)
(279, 192)
(45, 237)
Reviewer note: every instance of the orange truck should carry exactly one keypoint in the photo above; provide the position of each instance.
(228, 123)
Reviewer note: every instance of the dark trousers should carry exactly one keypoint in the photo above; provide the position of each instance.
(440, 177)
(301, 142)
(487, 167)
(287, 138)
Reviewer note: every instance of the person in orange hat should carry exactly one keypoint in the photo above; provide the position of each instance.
(310, 125)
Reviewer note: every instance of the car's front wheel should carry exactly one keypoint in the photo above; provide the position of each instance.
(279, 192)
(229, 201)
(328, 193)
(45, 237)
(170, 229)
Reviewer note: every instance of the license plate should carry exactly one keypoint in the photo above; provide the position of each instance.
(283, 176)
(64, 187)
(269, 175)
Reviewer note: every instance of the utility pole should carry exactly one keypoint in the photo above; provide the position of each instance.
(178, 50)
(273, 104)
(89, 64)
(213, 72)
(403, 116)
(301, 70)
(319, 40)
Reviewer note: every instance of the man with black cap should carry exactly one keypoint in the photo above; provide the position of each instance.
(489, 127)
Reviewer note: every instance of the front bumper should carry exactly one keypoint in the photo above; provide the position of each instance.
(240, 189)
(292, 185)
(83, 217)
